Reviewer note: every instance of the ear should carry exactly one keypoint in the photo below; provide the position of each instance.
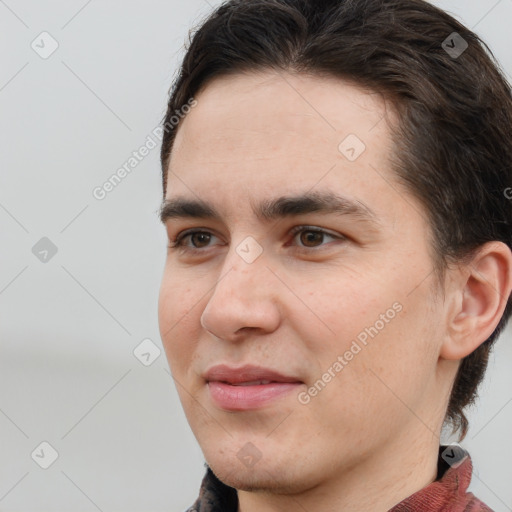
(480, 296)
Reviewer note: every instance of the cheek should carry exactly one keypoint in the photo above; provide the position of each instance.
(173, 307)
(335, 308)
(377, 328)
(180, 296)
(177, 315)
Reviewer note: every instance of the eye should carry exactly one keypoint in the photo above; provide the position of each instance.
(311, 237)
(196, 239)
(308, 238)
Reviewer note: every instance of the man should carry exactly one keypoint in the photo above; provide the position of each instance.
(340, 255)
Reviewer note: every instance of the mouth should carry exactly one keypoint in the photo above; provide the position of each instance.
(251, 383)
(247, 387)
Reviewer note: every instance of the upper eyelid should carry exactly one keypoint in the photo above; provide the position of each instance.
(305, 227)
(193, 231)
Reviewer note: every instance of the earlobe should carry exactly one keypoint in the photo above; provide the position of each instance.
(485, 287)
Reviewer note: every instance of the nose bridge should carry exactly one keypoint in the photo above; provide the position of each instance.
(245, 266)
(242, 296)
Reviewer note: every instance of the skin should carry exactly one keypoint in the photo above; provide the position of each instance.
(369, 438)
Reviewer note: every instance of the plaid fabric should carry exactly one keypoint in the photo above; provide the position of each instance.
(447, 494)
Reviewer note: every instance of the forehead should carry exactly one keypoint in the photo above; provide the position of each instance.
(271, 133)
(246, 109)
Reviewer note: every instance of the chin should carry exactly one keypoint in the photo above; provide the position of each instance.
(260, 478)
(258, 481)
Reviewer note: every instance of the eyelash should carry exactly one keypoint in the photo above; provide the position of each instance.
(178, 244)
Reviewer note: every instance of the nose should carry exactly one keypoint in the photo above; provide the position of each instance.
(244, 299)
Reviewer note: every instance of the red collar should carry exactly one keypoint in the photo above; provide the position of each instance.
(449, 491)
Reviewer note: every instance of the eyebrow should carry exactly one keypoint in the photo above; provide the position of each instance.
(273, 209)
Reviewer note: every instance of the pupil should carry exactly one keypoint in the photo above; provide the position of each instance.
(310, 237)
(202, 238)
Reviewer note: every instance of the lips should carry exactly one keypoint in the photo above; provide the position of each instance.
(246, 375)
(247, 387)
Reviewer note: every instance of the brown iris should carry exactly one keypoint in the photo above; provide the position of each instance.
(309, 238)
(202, 238)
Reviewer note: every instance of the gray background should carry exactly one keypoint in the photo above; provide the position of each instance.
(69, 326)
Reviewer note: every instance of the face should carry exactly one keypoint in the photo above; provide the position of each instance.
(302, 256)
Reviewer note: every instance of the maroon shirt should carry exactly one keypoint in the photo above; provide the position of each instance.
(448, 493)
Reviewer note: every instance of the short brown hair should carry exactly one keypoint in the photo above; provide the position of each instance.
(454, 143)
